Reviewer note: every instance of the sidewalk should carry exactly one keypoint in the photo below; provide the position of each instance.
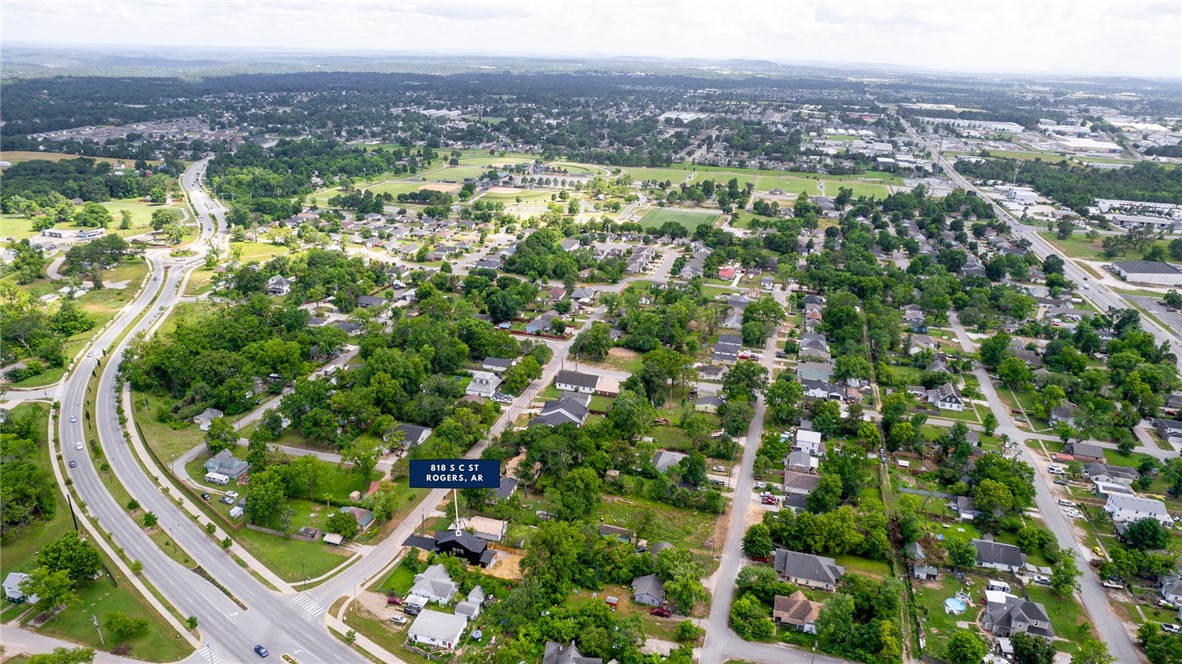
(150, 465)
(98, 538)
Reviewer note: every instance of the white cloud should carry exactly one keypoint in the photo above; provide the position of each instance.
(1100, 36)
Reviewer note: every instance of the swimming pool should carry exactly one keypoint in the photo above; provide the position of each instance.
(954, 605)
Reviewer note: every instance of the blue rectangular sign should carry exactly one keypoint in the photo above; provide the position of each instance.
(455, 474)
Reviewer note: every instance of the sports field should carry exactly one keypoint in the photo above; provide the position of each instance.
(17, 156)
(691, 219)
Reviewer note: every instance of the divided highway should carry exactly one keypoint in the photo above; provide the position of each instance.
(230, 632)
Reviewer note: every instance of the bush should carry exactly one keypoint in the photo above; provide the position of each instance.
(688, 632)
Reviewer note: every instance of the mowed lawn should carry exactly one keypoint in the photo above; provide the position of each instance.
(691, 219)
(17, 156)
(17, 227)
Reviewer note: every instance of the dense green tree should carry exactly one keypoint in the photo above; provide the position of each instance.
(1147, 533)
(71, 553)
(964, 647)
(757, 541)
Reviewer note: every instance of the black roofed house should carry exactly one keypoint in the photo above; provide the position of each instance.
(995, 555)
(348, 327)
(465, 545)
(556, 653)
(1031, 358)
(413, 434)
(573, 381)
(1102, 472)
(488, 264)
(648, 590)
(807, 570)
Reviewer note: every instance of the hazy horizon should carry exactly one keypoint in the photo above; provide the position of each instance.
(1141, 39)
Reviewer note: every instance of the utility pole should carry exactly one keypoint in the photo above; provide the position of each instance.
(94, 621)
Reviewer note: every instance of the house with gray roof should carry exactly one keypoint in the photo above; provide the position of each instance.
(435, 628)
(805, 569)
(822, 371)
(995, 555)
(665, 459)
(470, 607)
(561, 411)
(800, 483)
(13, 591)
(1012, 615)
(574, 381)
(556, 653)
(1124, 508)
(225, 463)
(435, 584)
(920, 567)
(648, 590)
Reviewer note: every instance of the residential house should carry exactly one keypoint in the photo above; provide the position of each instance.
(1102, 472)
(484, 384)
(225, 463)
(1133, 508)
(1171, 589)
(208, 415)
(1065, 413)
(819, 389)
(707, 403)
(648, 590)
(488, 264)
(278, 285)
(486, 528)
(470, 607)
(1006, 615)
(920, 343)
(802, 462)
(801, 484)
(913, 318)
(469, 547)
(362, 516)
(1169, 430)
(556, 653)
(507, 488)
(435, 628)
(573, 381)
(995, 555)
(435, 584)
(368, 301)
(555, 294)
(13, 591)
(822, 371)
(920, 568)
(562, 411)
(946, 397)
(497, 364)
(1086, 452)
(797, 611)
(809, 441)
(413, 434)
(807, 570)
(964, 507)
(664, 459)
(541, 323)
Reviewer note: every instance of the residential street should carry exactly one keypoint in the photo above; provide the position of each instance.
(1095, 600)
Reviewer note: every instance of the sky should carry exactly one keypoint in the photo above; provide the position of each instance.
(969, 36)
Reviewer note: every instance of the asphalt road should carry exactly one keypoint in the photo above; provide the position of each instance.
(230, 632)
(1095, 600)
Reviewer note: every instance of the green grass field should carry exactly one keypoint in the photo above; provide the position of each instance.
(17, 156)
(691, 219)
(17, 227)
(399, 187)
(531, 196)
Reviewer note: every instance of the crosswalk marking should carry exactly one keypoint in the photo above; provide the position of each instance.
(308, 604)
(211, 656)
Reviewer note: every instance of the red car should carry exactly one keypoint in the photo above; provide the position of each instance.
(394, 599)
(660, 611)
